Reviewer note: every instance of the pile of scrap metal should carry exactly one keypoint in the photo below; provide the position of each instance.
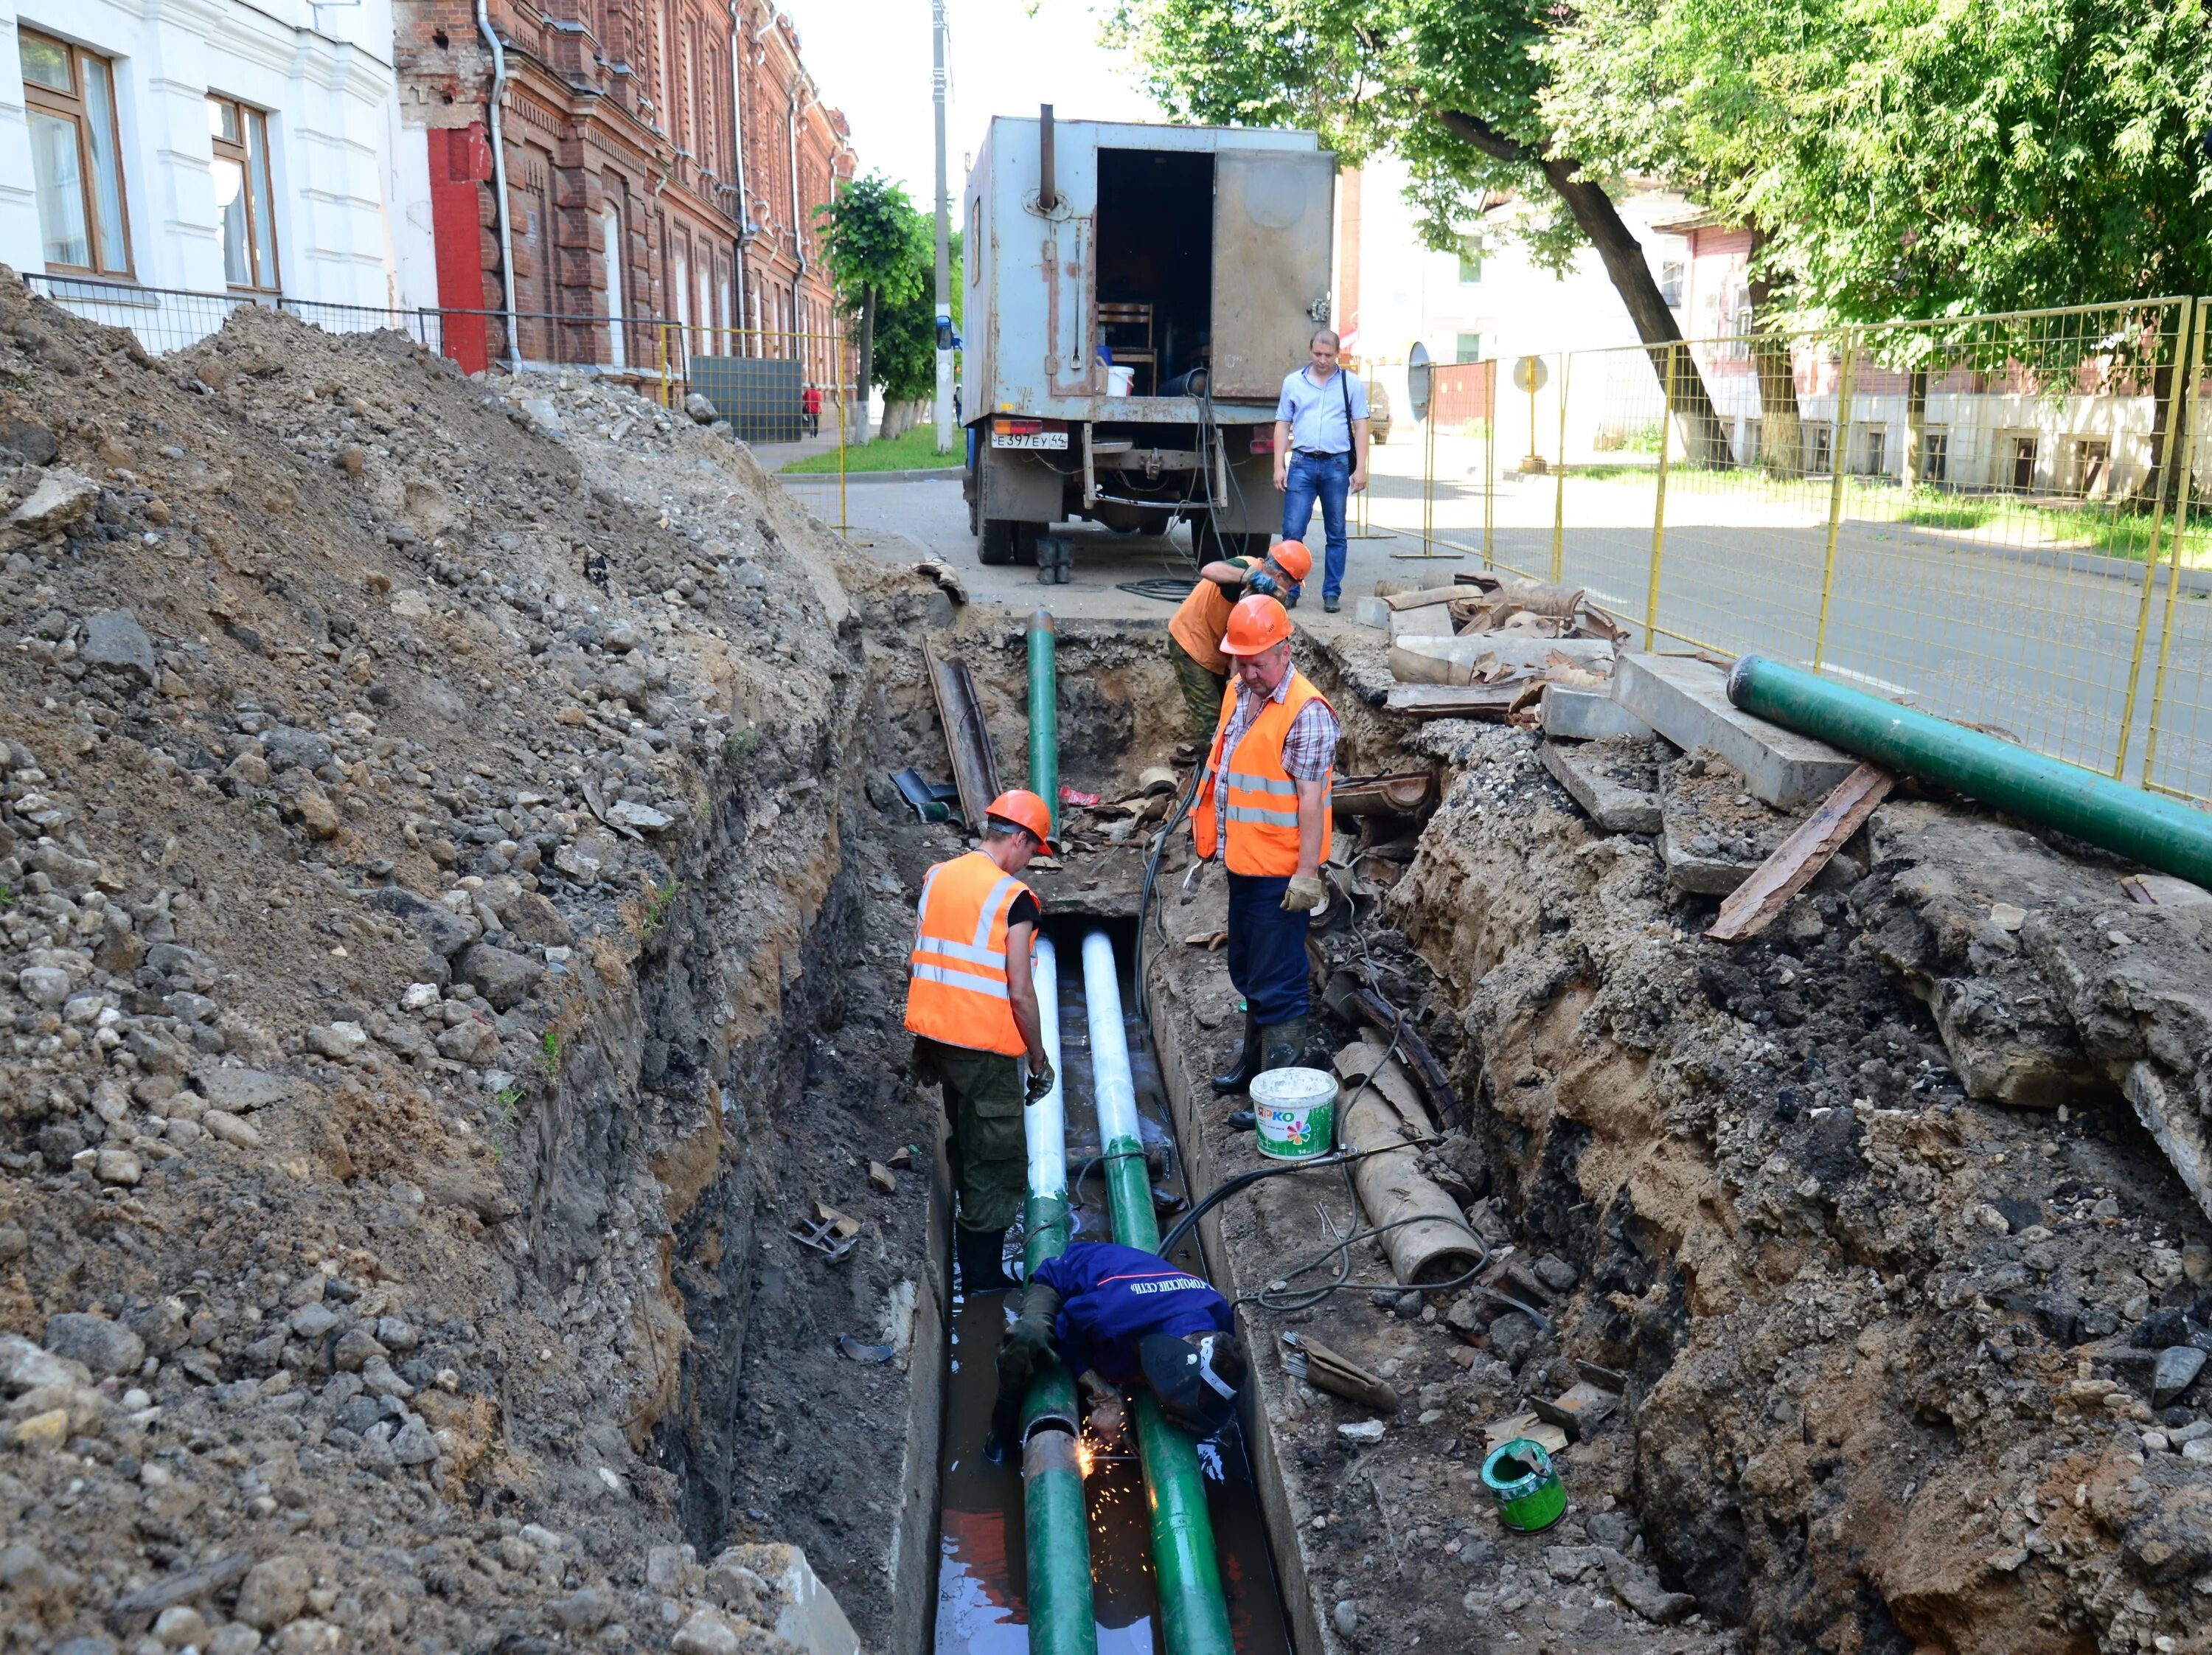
(1484, 646)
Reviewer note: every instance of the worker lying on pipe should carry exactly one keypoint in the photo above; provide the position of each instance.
(1201, 666)
(1116, 1316)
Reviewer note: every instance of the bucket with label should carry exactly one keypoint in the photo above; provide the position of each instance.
(1295, 1113)
(1120, 381)
(1519, 1478)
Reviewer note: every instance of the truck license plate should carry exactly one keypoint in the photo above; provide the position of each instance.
(1034, 440)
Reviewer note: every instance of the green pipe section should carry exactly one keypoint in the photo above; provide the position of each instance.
(1044, 715)
(1186, 1572)
(1063, 1618)
(2129, 821)
(1056, 1519)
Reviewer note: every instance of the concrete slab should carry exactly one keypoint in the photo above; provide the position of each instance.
(1602, 778)
(1429, 621)
(1686, 700)
(1446, 660)
(1573, 715)
(1371, 611)
(1714, 833)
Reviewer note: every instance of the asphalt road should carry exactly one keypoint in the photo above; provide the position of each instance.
(2012, 639)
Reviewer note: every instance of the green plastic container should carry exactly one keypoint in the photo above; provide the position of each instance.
(1519, 1477)
(1295, 1111)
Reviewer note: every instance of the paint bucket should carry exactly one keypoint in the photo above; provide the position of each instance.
(1295, 1113)
(1519, 1477)
(1120, 381)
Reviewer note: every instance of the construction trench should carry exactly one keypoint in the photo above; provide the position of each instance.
(465, 1188)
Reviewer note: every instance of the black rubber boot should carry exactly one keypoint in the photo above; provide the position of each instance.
(1243, 1120)
(1247, 1066)
(980, 1255)
(1282, 1045)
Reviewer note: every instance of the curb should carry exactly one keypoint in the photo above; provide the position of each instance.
(788, 477)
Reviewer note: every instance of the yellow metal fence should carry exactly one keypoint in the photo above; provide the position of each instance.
(1998, 519)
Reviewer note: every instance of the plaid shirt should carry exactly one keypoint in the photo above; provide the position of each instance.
(1309, 747)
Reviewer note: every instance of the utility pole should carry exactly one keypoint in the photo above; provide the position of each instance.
(944, 249)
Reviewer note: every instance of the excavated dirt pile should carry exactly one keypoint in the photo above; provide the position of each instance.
(435, 977)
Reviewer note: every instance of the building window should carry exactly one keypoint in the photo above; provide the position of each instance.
(75, 165)
(1935, 456)
(611, 228)
(242, 194)
(1470, 262)
(1671, 275)
(1470, 348)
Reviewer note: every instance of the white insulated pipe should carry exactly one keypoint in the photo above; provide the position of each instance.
(1109, 1044)
(1044, 1123)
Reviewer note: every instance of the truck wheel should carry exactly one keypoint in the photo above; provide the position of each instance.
(972, 485)
(995, 542)
(1025, 543)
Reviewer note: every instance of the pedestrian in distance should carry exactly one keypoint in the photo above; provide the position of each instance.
(971, 1005)
(810, 403)
(1117, 1317)
(1263, 808)
(1194, 635)
(1320, 452)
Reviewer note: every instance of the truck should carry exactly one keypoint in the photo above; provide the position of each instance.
(1136, 294)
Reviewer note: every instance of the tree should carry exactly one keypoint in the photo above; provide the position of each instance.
(1456, 86)
(906, 336)
(879, 251)
(1920, 158)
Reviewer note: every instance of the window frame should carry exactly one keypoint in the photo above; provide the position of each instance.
(71, 106)
(240, 151)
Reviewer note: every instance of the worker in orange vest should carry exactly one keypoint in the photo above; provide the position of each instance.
(1194, 635)
(1263, 808)
(972, 1006)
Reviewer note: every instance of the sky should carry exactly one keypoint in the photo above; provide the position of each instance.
(872, 59)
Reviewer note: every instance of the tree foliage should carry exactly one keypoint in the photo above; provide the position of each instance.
(1917, 158)
(906, 332)
(880, 253)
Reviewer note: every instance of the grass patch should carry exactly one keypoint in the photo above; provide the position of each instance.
(916, 451)
(656, 908)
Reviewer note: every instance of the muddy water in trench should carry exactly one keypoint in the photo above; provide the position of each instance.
(981, 1600)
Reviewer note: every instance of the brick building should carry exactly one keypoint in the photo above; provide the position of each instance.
(664, 159)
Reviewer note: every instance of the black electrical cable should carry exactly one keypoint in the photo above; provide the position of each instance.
(1167, 588)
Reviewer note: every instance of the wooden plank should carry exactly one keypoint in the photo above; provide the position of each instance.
(1751, 907)
(1421, 598)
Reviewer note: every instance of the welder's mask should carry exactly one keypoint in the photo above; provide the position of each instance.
(1196, 1377)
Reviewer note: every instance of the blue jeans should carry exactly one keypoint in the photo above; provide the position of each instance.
(1327, 478)
(1267, 949)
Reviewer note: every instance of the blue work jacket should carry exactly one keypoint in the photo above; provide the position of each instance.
(1112, 1296)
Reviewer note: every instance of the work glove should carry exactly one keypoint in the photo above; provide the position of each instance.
(1304, 894)
(1028, 1344)
(1040, 1082)
(1260, 582)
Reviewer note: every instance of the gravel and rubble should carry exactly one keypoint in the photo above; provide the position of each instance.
(415, 848)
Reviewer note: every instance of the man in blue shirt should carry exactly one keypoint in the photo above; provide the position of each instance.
(1320, 452)
(1126, 1317)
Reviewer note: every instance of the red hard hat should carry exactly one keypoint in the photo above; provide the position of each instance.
(1292, 558)
(1256, 624)
(1025, 810)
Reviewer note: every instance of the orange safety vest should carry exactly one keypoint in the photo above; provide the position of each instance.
(1199, 623)
(1262, 799)
(957, 976)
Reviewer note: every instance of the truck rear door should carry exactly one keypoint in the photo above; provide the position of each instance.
(1272, 223)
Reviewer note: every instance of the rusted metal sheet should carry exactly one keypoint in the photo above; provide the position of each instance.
(1272, 212)
(967, 736)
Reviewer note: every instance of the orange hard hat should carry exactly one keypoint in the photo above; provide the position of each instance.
(1024, 810)
(1292, 558)
(1255, 624)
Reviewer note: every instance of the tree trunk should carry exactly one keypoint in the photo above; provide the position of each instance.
(1602, 226)
(1781, 428)
(2166, 479)
(1916, 429)
(857, 424)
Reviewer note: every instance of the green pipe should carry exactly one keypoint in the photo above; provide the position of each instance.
(1063, 1618)
(1187, 1573)
(1044, 715)
(2130, 821)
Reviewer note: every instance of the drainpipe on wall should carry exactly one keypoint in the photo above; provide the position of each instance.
(499, 179)
(738, 120)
